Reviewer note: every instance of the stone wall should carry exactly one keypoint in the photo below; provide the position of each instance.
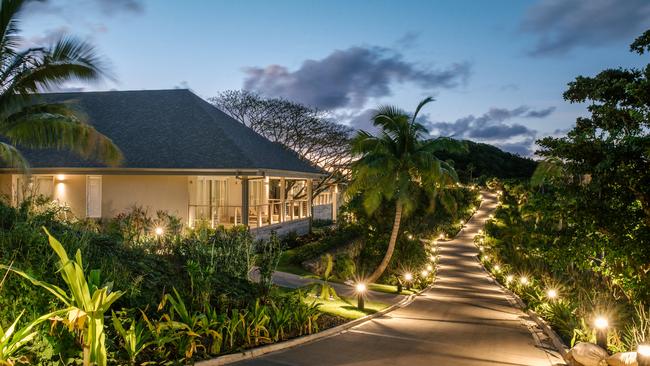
(301, 227)
(323, 212)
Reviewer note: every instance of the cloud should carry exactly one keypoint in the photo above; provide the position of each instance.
(48, 37)
(562, 25)
(116, 6)
(348, 78)
(408, 40)
(495, 127)
(360, 120)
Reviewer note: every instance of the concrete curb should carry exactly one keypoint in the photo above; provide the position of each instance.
(284, 345)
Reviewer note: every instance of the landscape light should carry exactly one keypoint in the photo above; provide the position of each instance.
(486, 257)
(424, 273)
(442, 236)
(497, 267)
(433, 258)
(523, 280)
(509, 278)
(408, 276)
(361, 289)
(480, 232)
(159, 231)
(551, 294)
(643, 354)
(481, 248)
(429, 267)
(601, 324)
(462, 222)
(482, 240)
(410, 237)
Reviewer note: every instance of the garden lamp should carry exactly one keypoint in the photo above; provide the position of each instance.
(408, 277)
(551, 294)
(601, 324)
(643, 354)
(360, 289)
(159, 231)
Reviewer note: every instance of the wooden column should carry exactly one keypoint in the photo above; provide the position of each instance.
(283, 198)
(310, 197)
(244, 201)
(334, 191)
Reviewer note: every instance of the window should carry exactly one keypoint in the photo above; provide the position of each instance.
(37, 185)
(255, 193)
(93, 196)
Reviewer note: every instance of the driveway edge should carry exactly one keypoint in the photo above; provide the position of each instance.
(281, 346)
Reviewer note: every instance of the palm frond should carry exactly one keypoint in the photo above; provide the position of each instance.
(424, 102)
(12, 157)
(62, 132)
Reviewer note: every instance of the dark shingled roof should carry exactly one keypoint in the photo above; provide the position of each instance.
(169, 129)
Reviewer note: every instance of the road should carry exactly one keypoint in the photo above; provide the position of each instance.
(465, 319)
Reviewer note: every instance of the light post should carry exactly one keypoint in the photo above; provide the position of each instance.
(643, 354)
(360, 289)
(601, 324)
(408, 277)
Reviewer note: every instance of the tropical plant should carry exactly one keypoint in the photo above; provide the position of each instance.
(26, 118)
(269, 252)
(85, 302)
(398, 163)
(327, 291)
(135, 339)
(13, 338)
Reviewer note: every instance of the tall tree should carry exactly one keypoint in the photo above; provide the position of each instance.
(25, 118)
(308, 132)
(396, 164)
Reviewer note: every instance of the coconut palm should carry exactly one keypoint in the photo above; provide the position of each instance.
(397, 164)
(26, 119)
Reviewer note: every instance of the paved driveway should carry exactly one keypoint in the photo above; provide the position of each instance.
(466, 319)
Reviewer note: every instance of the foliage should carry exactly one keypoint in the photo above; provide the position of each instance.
(312, 134)
(397, 166)
(322, 288)
(27, 119)
(344, 267)
(268, 256)
(482, 161)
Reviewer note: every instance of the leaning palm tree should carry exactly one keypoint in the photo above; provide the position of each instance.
(396, 164)
(26, 119)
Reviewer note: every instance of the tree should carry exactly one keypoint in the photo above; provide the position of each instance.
(25, 118)
(308, 132)
(600, 171)
(396, 164)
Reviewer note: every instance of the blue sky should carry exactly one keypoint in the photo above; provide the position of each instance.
(496, 68)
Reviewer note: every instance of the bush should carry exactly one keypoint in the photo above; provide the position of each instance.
(344, 267)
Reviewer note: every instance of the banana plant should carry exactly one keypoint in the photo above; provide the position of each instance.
(85, 304)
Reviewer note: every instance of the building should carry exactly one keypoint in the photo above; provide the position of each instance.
(181, 155)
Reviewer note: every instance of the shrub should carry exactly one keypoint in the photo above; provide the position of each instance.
(344, 267)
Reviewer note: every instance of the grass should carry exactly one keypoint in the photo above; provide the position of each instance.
(390, 289)
(347, 307)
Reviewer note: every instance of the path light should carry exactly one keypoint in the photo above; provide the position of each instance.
(481, 248)
(523, 280)
(361, 290)
(643, 354)
(424, 273)
(509, 278)
(410, 237)
(551, 294)
(462, 222)
(433, 258)
(429, 267)
(408, 277)
(602, 324)
(159, 231)
(480, 232)
(486, 257)
(497, 268)
(442, 236)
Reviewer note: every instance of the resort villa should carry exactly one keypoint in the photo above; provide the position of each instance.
(181, 155)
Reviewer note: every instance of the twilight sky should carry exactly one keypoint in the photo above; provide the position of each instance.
(496, 68)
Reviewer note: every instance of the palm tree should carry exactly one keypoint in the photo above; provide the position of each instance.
(26, 119)
(396, 165)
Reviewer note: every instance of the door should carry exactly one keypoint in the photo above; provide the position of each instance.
(93, 196)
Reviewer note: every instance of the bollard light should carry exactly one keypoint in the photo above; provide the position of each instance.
(408, 277)
(429, 267)
(159, 231)
(551, 294)
(601, 323)
(497, 268)
(509, 278)
(361, 289)
(643, 354)
(523, 280)
(424, 273)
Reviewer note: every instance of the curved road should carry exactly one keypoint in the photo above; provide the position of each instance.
(465, 319)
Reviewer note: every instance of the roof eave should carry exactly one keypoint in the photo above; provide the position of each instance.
(168, 171)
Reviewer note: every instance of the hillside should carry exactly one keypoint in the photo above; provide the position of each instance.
(487, 161)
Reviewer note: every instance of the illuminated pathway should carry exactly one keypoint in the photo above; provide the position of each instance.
(465, 319)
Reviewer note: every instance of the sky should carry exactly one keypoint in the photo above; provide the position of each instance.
(497, 69)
